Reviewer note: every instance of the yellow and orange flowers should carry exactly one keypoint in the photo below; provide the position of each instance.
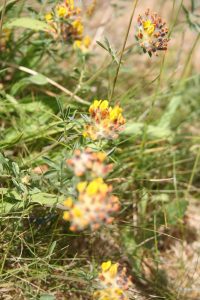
(67, 9)
(152, 33)
(113, 283)
(105, 121)
(94, 207)
(66, 24)
(83, 44)
(89, 161)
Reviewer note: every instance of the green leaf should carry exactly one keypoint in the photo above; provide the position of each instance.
(47, 297)
(28, 23)
(175, 211)
(12, 200)
(46, 199)
(102, 45)
(34, 79)
(108, 48)
(19, 85)
(15, 168)
(166, 119)
(52, 247)
(11, 141)
(38, 79)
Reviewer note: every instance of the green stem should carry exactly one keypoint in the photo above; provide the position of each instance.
(176, 18)
(123, 48)
(193, 171)
(190, 55)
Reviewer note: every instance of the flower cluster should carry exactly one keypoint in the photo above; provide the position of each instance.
(88, 160)
(113, 283)
(152, 33)
(94, 207)
(65, 22)
(105, 121)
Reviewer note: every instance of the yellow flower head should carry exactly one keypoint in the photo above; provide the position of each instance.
(94, 186)
(103, 105)
(78, 45)
(94, 106)
(83, 44)
(87, 41)
(105, 121)
(78, 26)
(113, 283)
(105, 266)
(68, 202)
(49, 17)
(94, 206)
(61, 11)
(149, 27)
(81, 186)
(152, 33)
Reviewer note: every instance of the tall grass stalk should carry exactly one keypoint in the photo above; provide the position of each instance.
(135, 2)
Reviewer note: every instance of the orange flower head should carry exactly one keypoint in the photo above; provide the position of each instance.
(105, 121)
(94, 206)
(113, 283)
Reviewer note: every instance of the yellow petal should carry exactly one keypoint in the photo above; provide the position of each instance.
(66, 216)
(77, 44)
(61, 11)
(78, 26)
(149, 27)
(119, 291)
(113, 270)
(95, 105)
(77, 212)
(68, 202)
(101, 156)
(103, 188)
(105, 266)
(48, 17)
(87, 41)
(81, 186)
(92, 188)
(104, 105)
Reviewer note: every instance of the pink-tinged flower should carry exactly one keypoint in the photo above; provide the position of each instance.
(152, 33)
(113, 283)
(87, 160)
(105, 122)
(94, 206)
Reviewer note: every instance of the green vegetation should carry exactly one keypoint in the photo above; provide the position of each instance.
(50, 74)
